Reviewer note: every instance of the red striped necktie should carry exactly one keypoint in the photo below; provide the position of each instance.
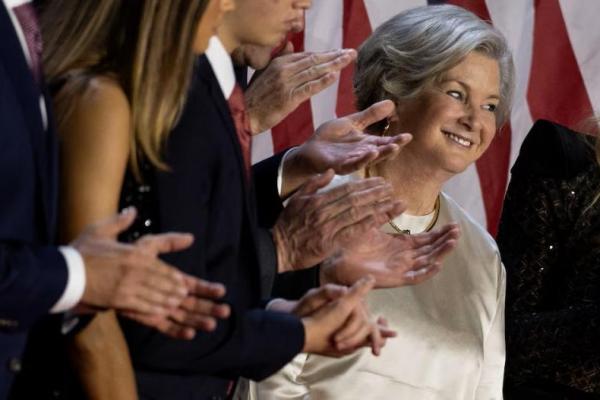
(27, 18)
(237, 107)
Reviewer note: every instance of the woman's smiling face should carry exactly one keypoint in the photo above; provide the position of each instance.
(453, 121)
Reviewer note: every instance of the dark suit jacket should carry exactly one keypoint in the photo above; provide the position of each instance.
(206, 193)
(32, 274)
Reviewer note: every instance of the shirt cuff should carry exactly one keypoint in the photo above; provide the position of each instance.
(75, 281)
(280, 170)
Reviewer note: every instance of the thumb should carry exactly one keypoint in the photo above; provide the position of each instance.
(359, 290)
(282, 49)
(287, 49)
(112, 226)
(374, 113)
(347, 303)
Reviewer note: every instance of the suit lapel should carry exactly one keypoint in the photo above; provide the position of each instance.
(216, 94)
(28, 94)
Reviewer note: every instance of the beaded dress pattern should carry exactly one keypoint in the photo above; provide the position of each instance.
(549, 239)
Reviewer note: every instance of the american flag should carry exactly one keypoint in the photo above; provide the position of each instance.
(556, 48)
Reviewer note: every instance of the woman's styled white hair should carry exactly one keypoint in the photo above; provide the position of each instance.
(417, 46)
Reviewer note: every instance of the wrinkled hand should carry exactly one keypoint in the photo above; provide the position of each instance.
(132, 279)
(341, 144)
(288, 81)
(337, 321)
(313, 226)
(393, 260)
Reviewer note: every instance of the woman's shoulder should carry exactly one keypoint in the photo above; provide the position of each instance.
(476, 255)
(551, 150)
(85, 90)
(471, 230)
(93, 99)
(104, 92)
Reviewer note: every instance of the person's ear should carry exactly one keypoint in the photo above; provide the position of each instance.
(227, 5)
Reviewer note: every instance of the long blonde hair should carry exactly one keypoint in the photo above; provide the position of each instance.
(146, 45)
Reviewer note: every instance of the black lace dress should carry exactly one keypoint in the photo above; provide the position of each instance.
(549, 239)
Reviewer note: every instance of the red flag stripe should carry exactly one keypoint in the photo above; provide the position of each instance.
(298, 126)
(356, 28)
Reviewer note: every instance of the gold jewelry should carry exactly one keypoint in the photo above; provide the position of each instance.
(436, 210)
(436, 213)
(386, 129)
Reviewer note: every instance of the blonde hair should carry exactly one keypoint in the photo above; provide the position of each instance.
(146, 45)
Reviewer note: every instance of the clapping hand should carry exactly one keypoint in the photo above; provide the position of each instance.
(315, 224)
(131, 279)
(343, 146)
(337, 320)
(393, 260)
(289, 80)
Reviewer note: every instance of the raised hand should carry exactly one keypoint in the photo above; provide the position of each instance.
(289, 80)
(314, 226)
(342, 145)
(393, 260)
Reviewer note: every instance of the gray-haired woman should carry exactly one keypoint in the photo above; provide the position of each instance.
(450, 75)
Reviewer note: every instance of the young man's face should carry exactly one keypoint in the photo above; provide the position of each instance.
(266, 22)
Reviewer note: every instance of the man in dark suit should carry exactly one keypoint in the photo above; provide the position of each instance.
(94, 271)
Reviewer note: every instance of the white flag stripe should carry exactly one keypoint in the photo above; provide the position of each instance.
(581, 19)
(380, 11)
(324, 32)
(262, 146)
(515, 18)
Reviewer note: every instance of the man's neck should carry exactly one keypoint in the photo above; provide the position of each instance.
(228, 39)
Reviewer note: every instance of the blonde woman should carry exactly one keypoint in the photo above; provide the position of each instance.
(550, 243)
(119, 71)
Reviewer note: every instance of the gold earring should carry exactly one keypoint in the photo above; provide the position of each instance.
(386, 129)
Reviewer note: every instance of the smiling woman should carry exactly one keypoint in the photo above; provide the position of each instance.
(450, 75)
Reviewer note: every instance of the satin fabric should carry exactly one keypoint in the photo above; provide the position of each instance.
(450, 342)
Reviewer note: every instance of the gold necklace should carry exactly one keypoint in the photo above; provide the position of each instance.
(436, 211)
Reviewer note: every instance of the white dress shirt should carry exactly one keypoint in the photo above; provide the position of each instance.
(222, 66)
(76, 271)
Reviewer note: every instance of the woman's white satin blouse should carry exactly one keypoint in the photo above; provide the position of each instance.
(450, 342)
